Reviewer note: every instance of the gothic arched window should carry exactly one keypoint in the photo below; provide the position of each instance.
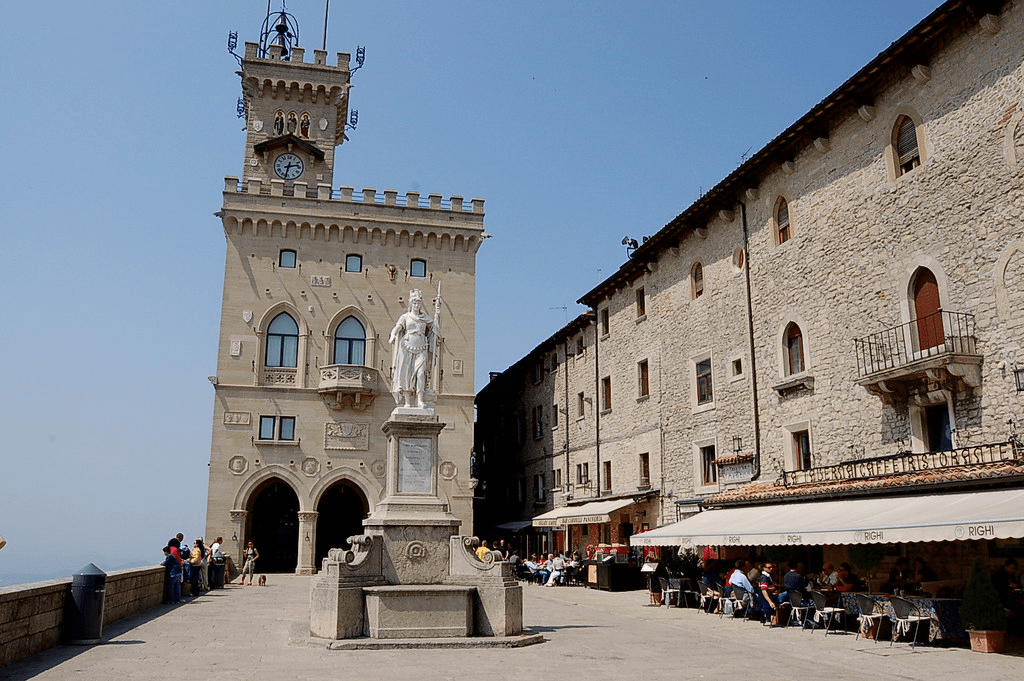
(794, 350)
(908, 153)
(282, 342)
(350, 342)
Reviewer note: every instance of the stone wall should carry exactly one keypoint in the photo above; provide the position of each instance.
(859, 230)
(32, 615)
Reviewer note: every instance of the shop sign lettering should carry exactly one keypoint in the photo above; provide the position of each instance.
(904, 463)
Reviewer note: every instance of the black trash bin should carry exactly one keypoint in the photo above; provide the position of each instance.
(84, 620)
(216, 574)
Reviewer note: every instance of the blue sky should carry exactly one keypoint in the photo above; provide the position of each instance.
(579, 122)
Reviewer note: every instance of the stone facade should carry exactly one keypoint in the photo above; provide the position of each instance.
(298, 457)
(783, 317)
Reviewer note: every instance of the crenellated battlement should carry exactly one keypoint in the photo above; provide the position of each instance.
(298, 54)
(366, 195)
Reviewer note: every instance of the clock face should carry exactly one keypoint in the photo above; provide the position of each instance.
(288, 166)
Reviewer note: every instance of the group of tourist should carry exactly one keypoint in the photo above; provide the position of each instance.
(191, 564)
(500, 549)
(753, 585)
(550, 570)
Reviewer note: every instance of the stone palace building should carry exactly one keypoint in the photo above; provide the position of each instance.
(314, 279)
(840, 317)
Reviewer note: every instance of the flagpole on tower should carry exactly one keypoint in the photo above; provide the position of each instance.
(327, 9)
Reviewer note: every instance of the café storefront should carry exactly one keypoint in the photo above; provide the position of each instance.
(600, 531)
(945, 507)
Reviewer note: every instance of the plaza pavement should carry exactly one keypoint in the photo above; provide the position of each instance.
(253, 633)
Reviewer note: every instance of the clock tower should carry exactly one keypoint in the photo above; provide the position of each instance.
(315, 277)
(295, 115)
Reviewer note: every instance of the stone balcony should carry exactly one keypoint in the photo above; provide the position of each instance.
(349, 385)
(939, 350)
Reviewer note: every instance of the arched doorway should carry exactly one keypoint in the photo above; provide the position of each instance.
(927, 310)
(341, 511)
(274, 526)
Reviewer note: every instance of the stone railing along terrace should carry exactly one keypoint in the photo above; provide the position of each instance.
(32, 615)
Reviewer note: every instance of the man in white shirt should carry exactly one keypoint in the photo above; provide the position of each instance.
(557, 568)
(829, 575)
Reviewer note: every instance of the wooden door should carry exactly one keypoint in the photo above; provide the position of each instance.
(928, 310)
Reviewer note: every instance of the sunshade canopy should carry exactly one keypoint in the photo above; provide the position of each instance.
(995, 514)
(592, 512)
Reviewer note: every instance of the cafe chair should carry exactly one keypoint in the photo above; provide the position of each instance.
(825, 611)
(668, 592)
(871, 614)
(802, 606)
(741, 600)
(691, 597)
(904, 618)
(707, 598)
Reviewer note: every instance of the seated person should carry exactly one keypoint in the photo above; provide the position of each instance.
(534, 569)
(543, 569)
(922, 573)
(711, 578)
(899, 576)
(846, 581)
(557, 566)
(795, 583)
(738, 579)
(828, 576)
(715, 586)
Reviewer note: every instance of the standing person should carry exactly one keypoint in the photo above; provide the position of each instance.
(204, 566)
(174, 543)
(251, 555)
(195, 562)
(172, 565)
(482, 550)
(770, 607)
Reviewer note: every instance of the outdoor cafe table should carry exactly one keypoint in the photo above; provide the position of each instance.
(943, 614)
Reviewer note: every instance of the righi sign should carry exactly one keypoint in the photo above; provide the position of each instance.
(904, 463)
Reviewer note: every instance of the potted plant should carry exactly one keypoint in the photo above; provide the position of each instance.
(981, 611)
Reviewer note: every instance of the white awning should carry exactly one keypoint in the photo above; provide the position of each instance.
(593, 512)
(996, 514)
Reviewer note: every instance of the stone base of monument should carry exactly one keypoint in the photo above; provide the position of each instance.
(419, 611)
(411, 578)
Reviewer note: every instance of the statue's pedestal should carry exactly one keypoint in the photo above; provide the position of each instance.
(419, 611)
(409, 575)
(414, 524)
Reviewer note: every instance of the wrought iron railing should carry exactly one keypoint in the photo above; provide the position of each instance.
(939, 333)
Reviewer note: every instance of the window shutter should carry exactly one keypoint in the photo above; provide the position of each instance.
(906, 142)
